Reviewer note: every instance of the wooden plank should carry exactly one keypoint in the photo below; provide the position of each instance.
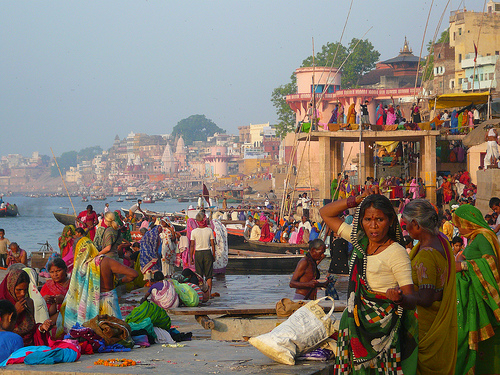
(250, 253)
(264, 309)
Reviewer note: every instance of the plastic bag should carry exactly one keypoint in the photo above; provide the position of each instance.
(306, 329)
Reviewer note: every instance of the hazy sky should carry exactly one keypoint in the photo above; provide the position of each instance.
(73, 74)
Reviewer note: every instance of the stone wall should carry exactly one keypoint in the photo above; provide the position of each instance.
(488, 186)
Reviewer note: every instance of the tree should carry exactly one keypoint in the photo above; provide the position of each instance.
(286, 117)
(196, 128)
(87, 154)
(65, 161)
(361, 61)
(429, 61)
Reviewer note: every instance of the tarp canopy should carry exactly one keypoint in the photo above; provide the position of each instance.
(459, 100)
(476, 137)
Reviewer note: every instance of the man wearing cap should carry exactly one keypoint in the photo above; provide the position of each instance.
(202, 249)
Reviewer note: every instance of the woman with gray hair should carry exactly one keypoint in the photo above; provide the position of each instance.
(435, 289)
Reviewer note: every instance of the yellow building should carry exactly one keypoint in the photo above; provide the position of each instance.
(469, 28)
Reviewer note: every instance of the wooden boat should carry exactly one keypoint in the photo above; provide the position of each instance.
(236, 241)
(182, 199)
(66, 219)
(245, 262)
(148, 200)
(10, 210)
(120, 199)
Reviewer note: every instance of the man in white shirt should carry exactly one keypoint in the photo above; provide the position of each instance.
(234, 215)
(255, 232)
(136, 207)
(203, 249)
(476, 116)
(248, 227)
(106, 207)
(305, 223)
(305, 204)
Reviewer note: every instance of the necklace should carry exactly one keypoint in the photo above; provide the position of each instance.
(379, 246)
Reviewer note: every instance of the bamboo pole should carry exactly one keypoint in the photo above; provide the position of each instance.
(64, 183)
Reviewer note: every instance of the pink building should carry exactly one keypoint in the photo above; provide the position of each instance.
(217, 161)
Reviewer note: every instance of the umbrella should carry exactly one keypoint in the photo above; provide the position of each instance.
(476, 137)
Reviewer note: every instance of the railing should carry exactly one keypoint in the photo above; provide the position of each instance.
(356, 92)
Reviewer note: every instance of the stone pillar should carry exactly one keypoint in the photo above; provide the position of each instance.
(367, 163)
(336, 155)
(325, 168)
(428, 167)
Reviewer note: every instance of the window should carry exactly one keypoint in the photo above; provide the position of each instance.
(439, 55)
(460, 81)
(454, 35)
(440, 85)
(481, 77)
(459, 58)
(497, 53)
(459, 31)
(452, 84)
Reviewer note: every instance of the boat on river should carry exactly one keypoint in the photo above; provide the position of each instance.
(244, 262)
(10, 210)
(66, 219)
(236, 240)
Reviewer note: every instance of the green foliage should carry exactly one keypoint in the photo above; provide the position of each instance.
(87, 154)
(65, 161)
(361, 61)
(286, 117)
(196, 128)
(326, 55)
(429, 61)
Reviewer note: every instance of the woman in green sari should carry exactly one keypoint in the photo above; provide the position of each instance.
(376, 335)
(478, 295)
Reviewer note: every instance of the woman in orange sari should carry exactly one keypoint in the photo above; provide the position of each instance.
(351, 115)
(447, 191)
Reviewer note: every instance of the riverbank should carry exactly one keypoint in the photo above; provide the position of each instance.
(196, 357)
(201, 355)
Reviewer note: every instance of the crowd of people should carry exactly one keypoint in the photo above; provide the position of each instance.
(103, 256)
(440, 263)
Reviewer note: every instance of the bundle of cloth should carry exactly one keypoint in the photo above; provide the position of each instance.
(60, 351)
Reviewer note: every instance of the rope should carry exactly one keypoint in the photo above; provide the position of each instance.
(421, 48)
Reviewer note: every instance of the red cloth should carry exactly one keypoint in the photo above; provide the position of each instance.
(50, 288)
(265, 233)
(89, 220)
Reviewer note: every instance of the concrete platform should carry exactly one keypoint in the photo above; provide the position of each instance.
(197, 357)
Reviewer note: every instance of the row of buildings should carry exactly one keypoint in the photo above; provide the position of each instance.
(467, 61)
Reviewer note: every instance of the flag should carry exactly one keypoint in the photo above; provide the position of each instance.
(475, 52)
(206, 194)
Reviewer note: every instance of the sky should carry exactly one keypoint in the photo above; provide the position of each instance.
(75, 74)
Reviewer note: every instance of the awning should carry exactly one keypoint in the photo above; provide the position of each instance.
(389, 145)
(459, 100)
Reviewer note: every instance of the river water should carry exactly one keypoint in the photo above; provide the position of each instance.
(36, 224)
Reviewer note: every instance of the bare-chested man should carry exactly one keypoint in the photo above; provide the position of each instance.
(306, 275)
(108, 302)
